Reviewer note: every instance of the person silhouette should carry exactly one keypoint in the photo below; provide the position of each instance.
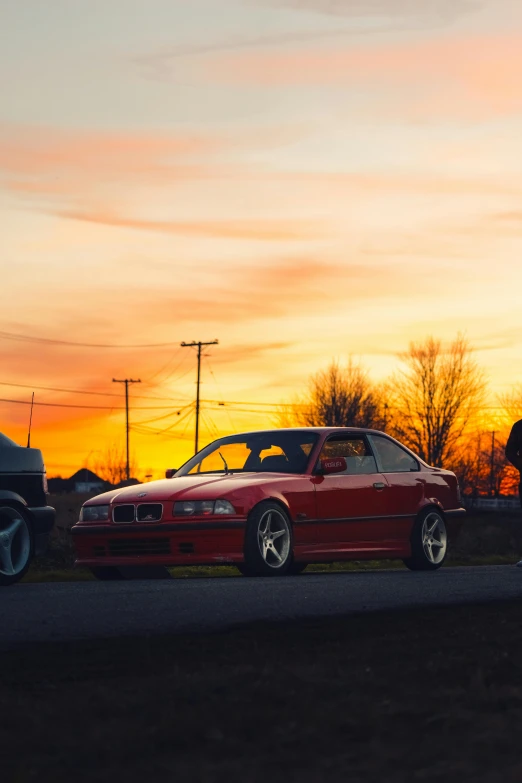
(514, 455)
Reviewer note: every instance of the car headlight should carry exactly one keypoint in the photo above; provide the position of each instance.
(94, 513)
(205, 508)
(224, 507)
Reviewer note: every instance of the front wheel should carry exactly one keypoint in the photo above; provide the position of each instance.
(268, 541)
(429, 542)
(16, 545)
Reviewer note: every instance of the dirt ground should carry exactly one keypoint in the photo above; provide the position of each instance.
(419, 695)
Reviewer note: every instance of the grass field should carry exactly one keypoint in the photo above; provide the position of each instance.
(419, 695)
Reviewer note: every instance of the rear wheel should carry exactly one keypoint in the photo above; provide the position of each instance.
(429, 542)
(16, 544)
(268, 541)
(107, 573)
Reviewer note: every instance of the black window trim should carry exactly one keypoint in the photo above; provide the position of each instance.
(351, 436)
(400, 446)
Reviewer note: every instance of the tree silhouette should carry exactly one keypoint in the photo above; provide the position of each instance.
(435, 398)
(339, 397)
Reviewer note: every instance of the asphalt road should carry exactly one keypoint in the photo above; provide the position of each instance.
(76, 610)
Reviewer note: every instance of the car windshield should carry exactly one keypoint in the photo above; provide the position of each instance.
(276, 451)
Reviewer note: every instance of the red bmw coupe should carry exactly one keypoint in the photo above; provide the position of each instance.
(271, 502)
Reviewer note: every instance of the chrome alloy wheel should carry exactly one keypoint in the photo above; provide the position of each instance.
(273, 537)
(434, 538)
(15, 542)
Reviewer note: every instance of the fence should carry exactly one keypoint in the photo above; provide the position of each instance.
(509, 503)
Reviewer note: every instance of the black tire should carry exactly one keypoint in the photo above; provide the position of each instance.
(429, 541)
(243, 570)
(107, 573)
(16, 544)
(296, 568)
(268, 524)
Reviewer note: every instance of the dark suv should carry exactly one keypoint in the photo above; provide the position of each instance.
(25, 518)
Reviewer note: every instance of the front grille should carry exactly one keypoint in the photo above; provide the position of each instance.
(98, 551)
(186, 548)
(149, 512)
(130, 547)
(123, 513)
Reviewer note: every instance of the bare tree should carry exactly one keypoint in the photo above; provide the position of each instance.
(111, 466)
(435, 398)
(511, 405)
(337, 397)
(482, 467)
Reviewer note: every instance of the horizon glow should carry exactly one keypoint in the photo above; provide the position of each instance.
(300, 184)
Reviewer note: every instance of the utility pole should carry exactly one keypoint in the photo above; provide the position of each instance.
(126, 381)
(492, 466)
(198, 345)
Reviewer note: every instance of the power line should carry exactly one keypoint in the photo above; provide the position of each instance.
(81, 391)
(149, 396)
(49, 341)
(165, 415)
(163, 367)
(198, 345)
(260, 404)
(146, 430)
(227, 408)
(84, 407)
(221, 405)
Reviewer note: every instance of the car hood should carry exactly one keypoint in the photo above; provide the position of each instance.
(210, 487)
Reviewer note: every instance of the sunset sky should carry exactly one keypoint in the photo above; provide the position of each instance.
(301, 179)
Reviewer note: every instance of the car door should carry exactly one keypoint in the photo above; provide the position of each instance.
(405, 485)
(350, 505)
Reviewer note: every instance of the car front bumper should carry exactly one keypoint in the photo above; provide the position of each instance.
(163, 543)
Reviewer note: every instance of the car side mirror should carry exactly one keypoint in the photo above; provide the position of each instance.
(169, 473)
(328, 466)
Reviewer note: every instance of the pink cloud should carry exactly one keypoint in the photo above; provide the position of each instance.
(28, 150)
(430, 10)
(434, 75)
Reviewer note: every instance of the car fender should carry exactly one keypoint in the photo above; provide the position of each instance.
(430, 503)
(275, 498)
(12, 497)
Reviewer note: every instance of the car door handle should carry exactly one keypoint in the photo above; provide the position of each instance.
(379, 485)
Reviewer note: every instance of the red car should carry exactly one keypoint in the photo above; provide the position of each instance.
(273, 501)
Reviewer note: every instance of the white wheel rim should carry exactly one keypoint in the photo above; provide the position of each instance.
(273, 538)
(434, 538)
(15, 542)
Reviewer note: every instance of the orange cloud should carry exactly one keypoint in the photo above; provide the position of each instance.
(38, 150)
(37, 153)
(223, 229)
(437, 72)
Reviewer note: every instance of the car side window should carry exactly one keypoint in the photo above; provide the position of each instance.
(392, 457)
(356, 452)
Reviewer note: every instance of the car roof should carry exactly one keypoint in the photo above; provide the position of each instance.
(319, 430)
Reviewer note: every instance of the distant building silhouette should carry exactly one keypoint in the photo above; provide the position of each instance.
(84, 480)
